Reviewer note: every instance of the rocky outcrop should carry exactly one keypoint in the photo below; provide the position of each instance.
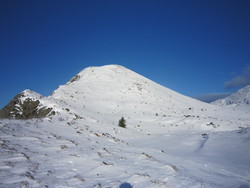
(26, 105)
(75, 78)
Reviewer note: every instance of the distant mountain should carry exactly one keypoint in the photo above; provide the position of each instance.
(241, 97)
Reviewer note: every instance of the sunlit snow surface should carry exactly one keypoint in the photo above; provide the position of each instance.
(55, 154)
(170, 140)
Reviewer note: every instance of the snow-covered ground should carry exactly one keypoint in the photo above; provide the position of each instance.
(170, 140)
(53, 153)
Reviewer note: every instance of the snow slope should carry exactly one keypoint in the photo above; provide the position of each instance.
(170, 140)
(113, 91)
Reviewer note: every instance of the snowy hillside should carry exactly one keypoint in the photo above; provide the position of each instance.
(241, 97)
(170, 140)
(239, 101)
(110, 92)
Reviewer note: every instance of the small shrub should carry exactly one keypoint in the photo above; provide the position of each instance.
(122, 123)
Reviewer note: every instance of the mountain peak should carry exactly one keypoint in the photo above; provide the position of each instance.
(240, 97)
(30, 93)
(106, 69)
(98, 71)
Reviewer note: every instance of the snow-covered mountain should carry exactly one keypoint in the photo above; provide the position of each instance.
(26, 105)
(113, 91)
(105, 94)
(170, 140)
(241, 97)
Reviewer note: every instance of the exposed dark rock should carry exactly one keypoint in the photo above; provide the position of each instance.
(25, 108)
(75, 78)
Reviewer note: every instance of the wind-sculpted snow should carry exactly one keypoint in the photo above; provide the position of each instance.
(170, 140)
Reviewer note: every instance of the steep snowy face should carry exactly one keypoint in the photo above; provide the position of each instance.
(241, 97)
(27, 104)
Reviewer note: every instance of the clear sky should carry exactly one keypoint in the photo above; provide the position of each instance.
(195, 47)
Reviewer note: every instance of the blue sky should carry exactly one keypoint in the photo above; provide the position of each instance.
(197, 48)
